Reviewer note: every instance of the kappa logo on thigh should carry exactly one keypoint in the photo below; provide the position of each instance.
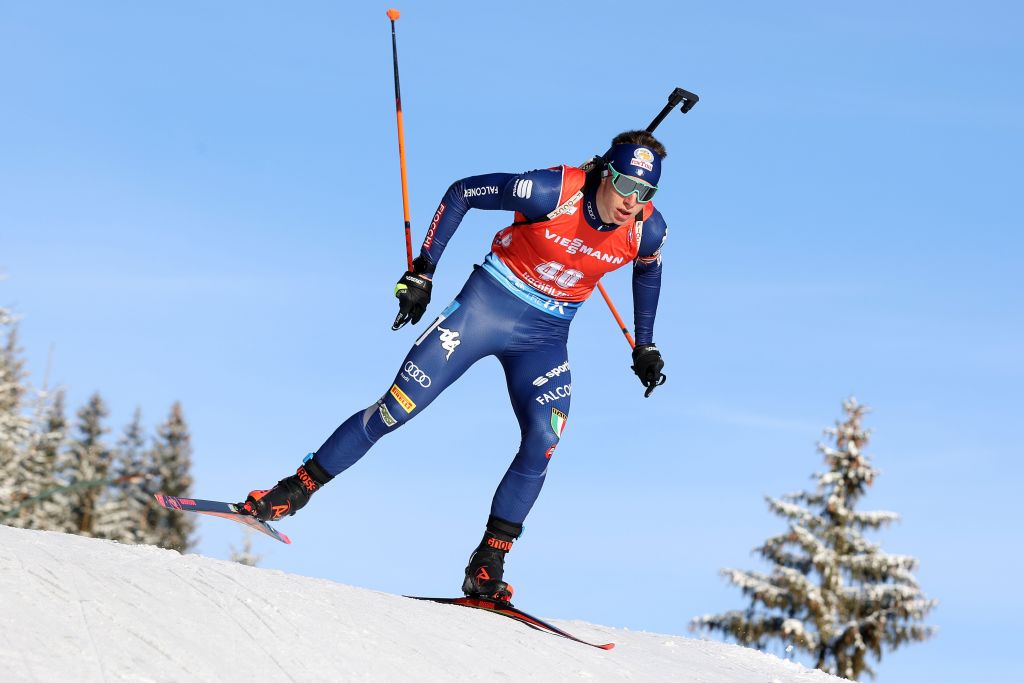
(449, 341)
(451, 308)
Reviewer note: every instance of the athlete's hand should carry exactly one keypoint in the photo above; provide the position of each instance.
(647, 364)
(413, 292)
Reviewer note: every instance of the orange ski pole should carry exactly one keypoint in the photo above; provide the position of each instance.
(618, 318)
(393, 15)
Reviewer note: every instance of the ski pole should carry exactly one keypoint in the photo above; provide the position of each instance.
(393, 15)
(618, 318)
(677, 96)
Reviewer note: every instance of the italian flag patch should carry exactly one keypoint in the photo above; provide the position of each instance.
(558, 419)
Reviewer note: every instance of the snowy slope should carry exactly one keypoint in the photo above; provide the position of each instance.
(78, 609)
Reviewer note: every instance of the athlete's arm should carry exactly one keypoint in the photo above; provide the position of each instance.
(647, 277)
(534, 194)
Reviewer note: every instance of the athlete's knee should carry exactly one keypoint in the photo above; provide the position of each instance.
(534, 456)
(541, 437)
(383, 416)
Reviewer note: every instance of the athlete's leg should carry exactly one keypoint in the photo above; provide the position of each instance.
(438, 358)
(478, 323)
(441, 354)
(539, 385)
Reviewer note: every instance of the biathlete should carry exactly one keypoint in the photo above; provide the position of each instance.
(571, 227)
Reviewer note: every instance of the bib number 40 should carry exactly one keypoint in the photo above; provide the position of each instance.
(563, 277)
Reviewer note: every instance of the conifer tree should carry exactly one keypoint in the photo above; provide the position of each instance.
(88, 464)
(831, 593)
(48, 505)
(124, 507)
(172, 464)
(30, 434)
(52, 480)
(14, 424)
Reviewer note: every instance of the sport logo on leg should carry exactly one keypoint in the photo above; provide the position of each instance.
(452, 307)
(558, 419)
(403, 400)
(564, 391)
(551, 374)
(385, 415)
(414, 373)
(449, 340)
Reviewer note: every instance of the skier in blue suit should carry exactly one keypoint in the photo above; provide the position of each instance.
(571, 227)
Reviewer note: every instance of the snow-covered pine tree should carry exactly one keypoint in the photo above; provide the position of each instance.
(123, 511)
(31, 430)
(172, 463)
(831, 593)
(51, 481)
(49, 506)
(14, 423)
(88, 464)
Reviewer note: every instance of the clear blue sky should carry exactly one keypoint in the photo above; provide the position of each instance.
(201, 202)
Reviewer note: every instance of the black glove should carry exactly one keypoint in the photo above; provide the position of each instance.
(413, 292)
(647, 364)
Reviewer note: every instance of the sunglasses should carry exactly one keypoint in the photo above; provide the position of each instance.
(627, 185)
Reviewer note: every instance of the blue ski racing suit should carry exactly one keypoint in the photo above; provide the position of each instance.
(517, 306)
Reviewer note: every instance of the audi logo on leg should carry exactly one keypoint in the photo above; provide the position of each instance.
(421, 378)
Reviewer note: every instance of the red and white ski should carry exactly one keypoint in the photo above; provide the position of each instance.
(507, 610)
(220, 509)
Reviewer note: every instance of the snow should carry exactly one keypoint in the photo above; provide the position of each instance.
(81, 609)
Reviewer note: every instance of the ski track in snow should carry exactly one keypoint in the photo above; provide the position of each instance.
(79, 609)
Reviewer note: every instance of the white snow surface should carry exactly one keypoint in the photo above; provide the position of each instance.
(80, 609)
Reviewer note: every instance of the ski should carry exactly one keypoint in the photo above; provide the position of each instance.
(218, 509)
(507, 610)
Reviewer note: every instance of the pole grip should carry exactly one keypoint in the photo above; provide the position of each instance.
(677, 96)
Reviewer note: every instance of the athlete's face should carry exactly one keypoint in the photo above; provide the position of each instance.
(613, 207)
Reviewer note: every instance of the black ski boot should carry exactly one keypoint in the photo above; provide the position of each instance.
(290, 494)
(487, 563)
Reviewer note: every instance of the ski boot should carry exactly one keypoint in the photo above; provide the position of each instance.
(289, 495)
(487, 563)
